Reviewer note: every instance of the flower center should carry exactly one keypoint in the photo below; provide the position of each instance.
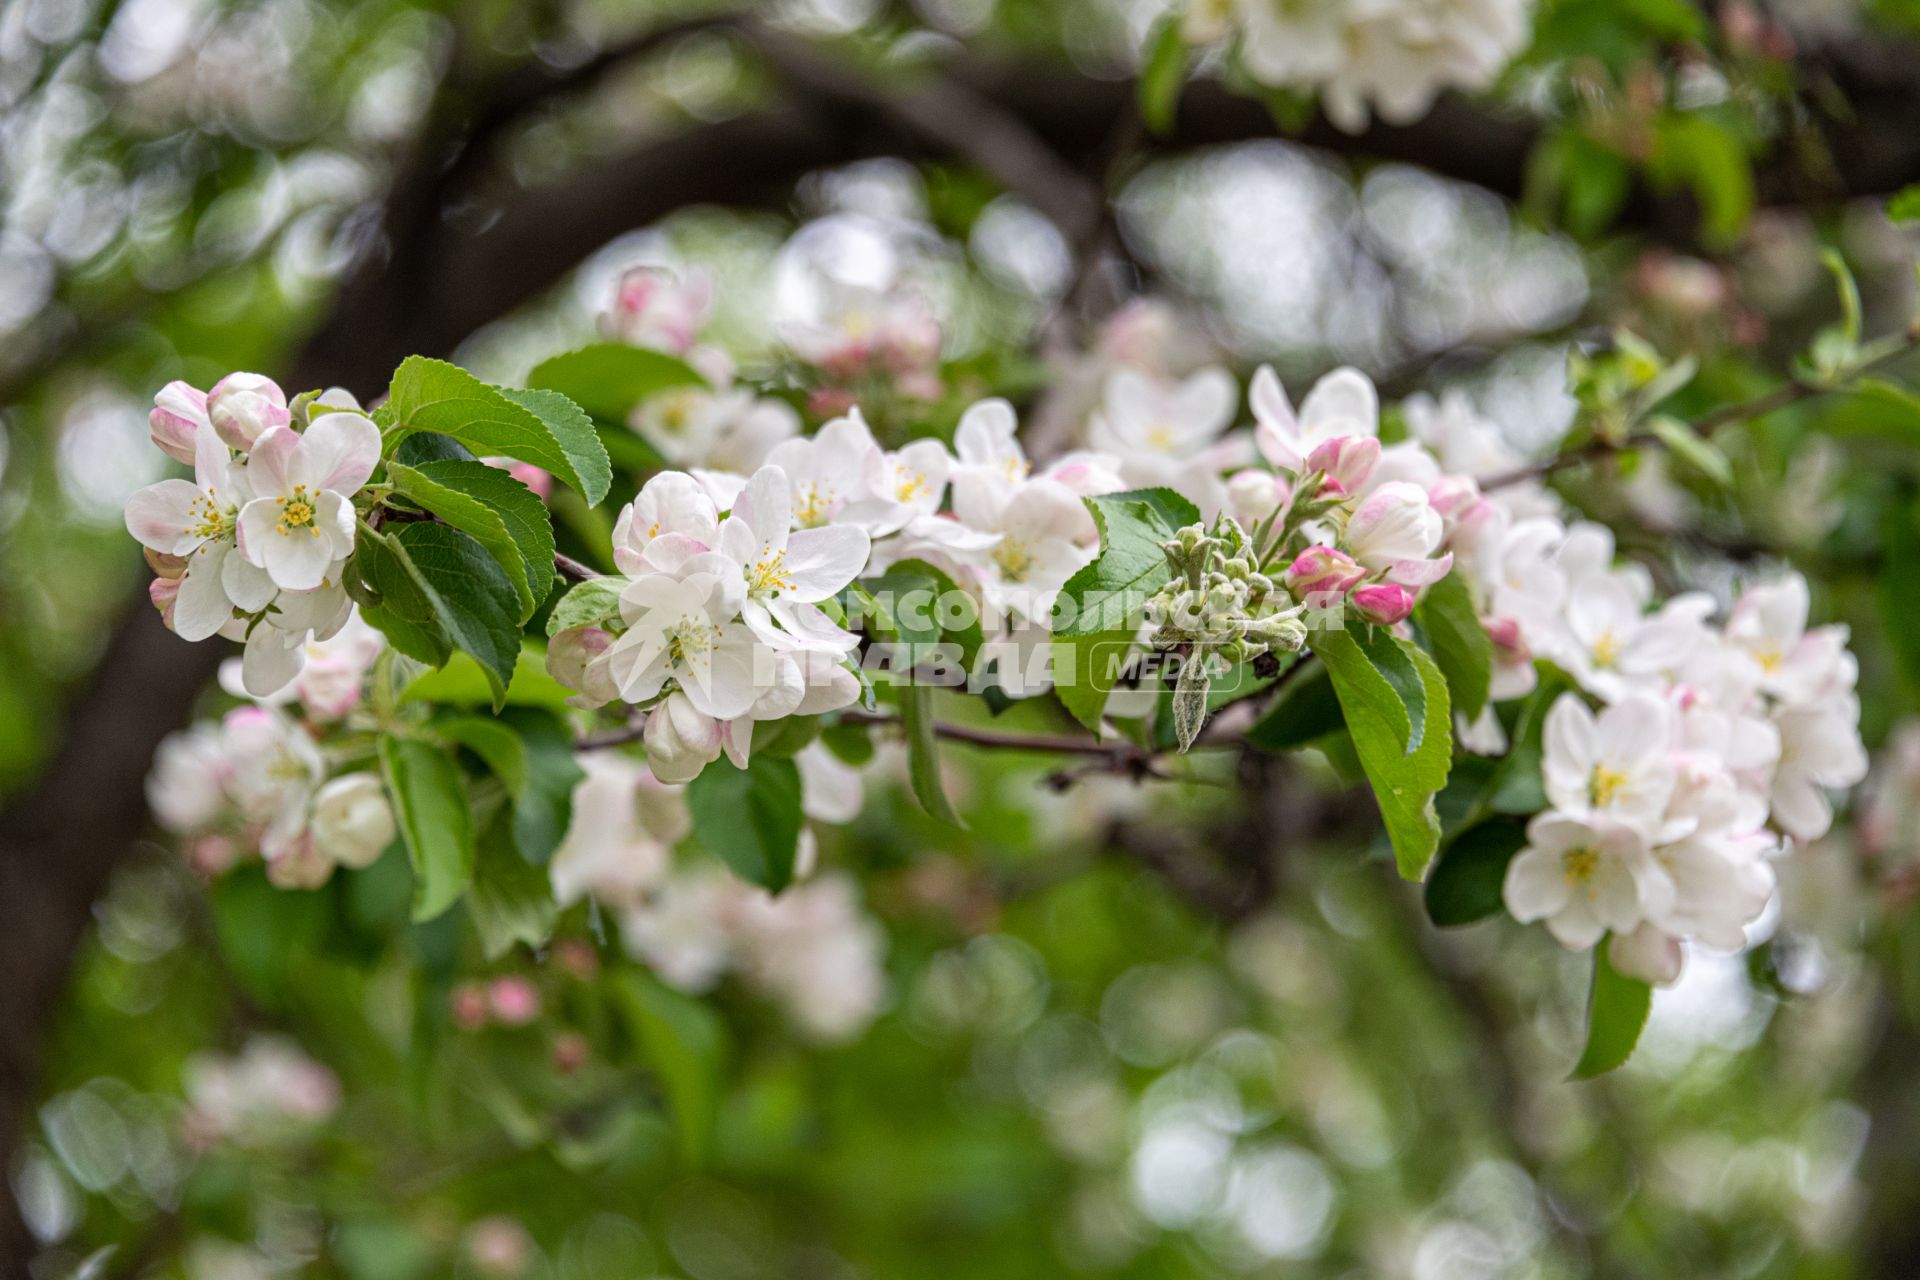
(909, 485)
(296, 512)
(1013, 558)
(1604, 785)
(689, 638)
(815, 499)
(1160, 437)
(1606, 650)
(768, 577)
(1016, 469)
(209, 521)
(1579, 865)
(1770, 659)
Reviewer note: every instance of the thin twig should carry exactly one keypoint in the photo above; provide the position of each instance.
(571, 568)
(1787, 393)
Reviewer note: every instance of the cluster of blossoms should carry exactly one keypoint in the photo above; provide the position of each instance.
(252, 548)
(268, 1091)
(1393, 56)
(809, 949)
(1711, 753)
(255, 782)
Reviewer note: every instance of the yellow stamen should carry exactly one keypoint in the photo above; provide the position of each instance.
(1604, 785)
(1579, 865)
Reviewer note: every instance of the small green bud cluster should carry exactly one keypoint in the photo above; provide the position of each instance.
(1219, 600)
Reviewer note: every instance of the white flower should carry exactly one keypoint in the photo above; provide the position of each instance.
(352, 821)
(1143, 418)
(1819, 748)
(729, 429)
(1043, 534)
(830, 788)
(654, 307)
(1769, 626)
(1583, 877)
(300, 521)
(199, 520)
(187, 786)
(828, 470)
(787, 572)
(681, 741)
(1614, 767)
(314, 648)
(1343, 403)
(684, 626)
(244, 406)
(671, 505)
(1719, 885)
(813, 950)
(1394, 56)
(685, 930)
(609, 850)
(1394, 529)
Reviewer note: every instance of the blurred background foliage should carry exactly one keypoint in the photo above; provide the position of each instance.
(1086, 1064)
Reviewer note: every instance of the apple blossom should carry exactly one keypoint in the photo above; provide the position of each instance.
(1582, 876)
(1383, 603)
(352, 820)
(299, 522)
(179, 414)
(244, 406)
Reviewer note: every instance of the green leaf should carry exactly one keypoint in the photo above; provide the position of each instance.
(1405, 768)
(431, 808)
(1307, 709)
(1899, 587)
(540, 427)
(1616, 1012)
(1695, 150)
(1693, 448)
(393, 602)
(471, 595)
(964, 628)
(750, 817)
(1163, 75)
(511, 899)
(685, 1045)
(1467, 882)
(498, 511)
(1905, 205)
(1459, 643)
(592, 603)
(1100, 604)
(608, 379)
(531, 752)
(923, 753)
(464, 683)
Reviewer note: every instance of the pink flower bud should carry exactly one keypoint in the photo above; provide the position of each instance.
(576, 957)
(163, 592)
(1346, 460)
(469, 1006)
(652, 307)
(570, 1052)
(515, 1001)
(242, 405)
(165, 565)
(1321, 570)
(179, 411)
(541, 482)
(1454, 496)
(1509, 644)
(1383, 603)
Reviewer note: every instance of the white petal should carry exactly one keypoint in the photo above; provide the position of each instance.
(269, 465)
(202, 607)
(1535, 886)
(338, 452)
(163, 515)
(1340, 404)
(822, 561)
